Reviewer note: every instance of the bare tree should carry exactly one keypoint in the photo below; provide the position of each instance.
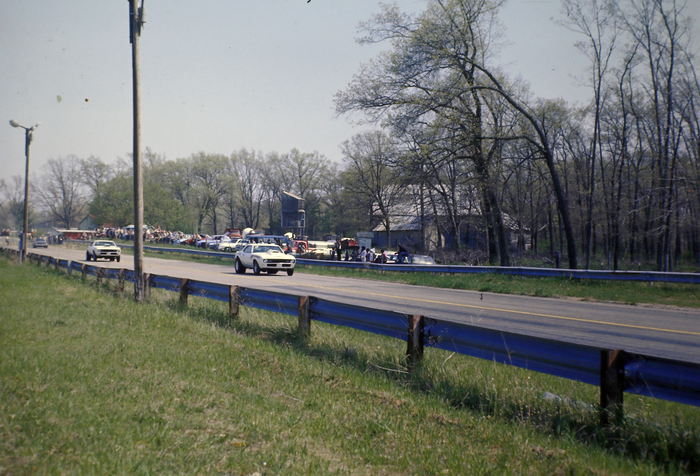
(208, 186)
(438, 67)
(13, 202)
(95, 173)
(246, 167)
(660, 29)
(61, 190)
(596, 21)
(371, 158)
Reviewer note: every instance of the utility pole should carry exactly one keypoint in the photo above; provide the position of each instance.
(135, 25)
(25, 218)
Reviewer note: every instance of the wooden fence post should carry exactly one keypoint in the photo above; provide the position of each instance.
(414, 350)
(120, 280)
(83, 270)
(100, 274)
(146, 286)
(304, 326)
(612, 386)
(234, 301)
(184, 291)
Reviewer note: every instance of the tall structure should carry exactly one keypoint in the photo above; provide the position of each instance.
(293, 214)
(135, 26)
(25, 215)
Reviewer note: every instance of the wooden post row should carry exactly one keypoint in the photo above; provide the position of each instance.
(414, 350)
(120, 280)
(612, 386)
(234, 301)
(146, 286)
(184, 291)
(304, 306)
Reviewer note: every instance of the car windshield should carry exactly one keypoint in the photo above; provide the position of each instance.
(268, 248)
(104, 243)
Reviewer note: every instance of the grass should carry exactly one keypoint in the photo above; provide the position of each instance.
(626, 292)
(92, 383)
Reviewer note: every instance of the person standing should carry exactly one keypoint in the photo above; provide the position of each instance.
(338, 251)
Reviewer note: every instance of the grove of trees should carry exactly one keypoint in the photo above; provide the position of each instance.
(613, 183)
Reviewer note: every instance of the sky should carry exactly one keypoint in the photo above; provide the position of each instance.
(220, 75)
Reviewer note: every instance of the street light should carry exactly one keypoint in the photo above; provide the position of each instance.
(25, 225)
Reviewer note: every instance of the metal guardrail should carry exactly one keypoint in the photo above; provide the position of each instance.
(646, 276)
(613, 370)
(608, 275)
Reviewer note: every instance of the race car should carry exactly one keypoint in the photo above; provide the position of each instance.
(103, 249)
(264, 257)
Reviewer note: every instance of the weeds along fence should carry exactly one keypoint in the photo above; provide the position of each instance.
(615, 371)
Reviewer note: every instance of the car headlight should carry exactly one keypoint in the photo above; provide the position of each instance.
(264, 260)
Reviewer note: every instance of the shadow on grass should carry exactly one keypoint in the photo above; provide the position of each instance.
(674, 447)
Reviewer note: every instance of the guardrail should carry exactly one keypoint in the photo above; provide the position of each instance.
(606, 275)
(615, 371)
(645, 276)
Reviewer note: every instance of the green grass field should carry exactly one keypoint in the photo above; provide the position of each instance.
(93, 383)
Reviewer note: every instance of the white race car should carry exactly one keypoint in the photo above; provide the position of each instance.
(264, 257)
(103, 249)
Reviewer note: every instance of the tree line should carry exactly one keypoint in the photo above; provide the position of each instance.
(453, 137)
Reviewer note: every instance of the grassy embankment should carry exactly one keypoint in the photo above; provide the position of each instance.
(93, 383)
(626, 292)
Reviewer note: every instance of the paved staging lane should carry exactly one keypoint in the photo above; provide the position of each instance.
(661, 331)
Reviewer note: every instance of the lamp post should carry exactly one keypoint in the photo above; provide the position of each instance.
(25, 224)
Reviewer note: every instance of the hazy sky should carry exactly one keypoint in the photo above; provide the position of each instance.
(221, 75)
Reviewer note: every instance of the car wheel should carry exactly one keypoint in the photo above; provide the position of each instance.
(256, 268)
(238, 267)
(118, 258)
(88, 257)
(290, 272)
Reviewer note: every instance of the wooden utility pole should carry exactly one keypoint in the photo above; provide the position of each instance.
(135, 24)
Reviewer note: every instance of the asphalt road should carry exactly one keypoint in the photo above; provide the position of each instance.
(672, 333)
